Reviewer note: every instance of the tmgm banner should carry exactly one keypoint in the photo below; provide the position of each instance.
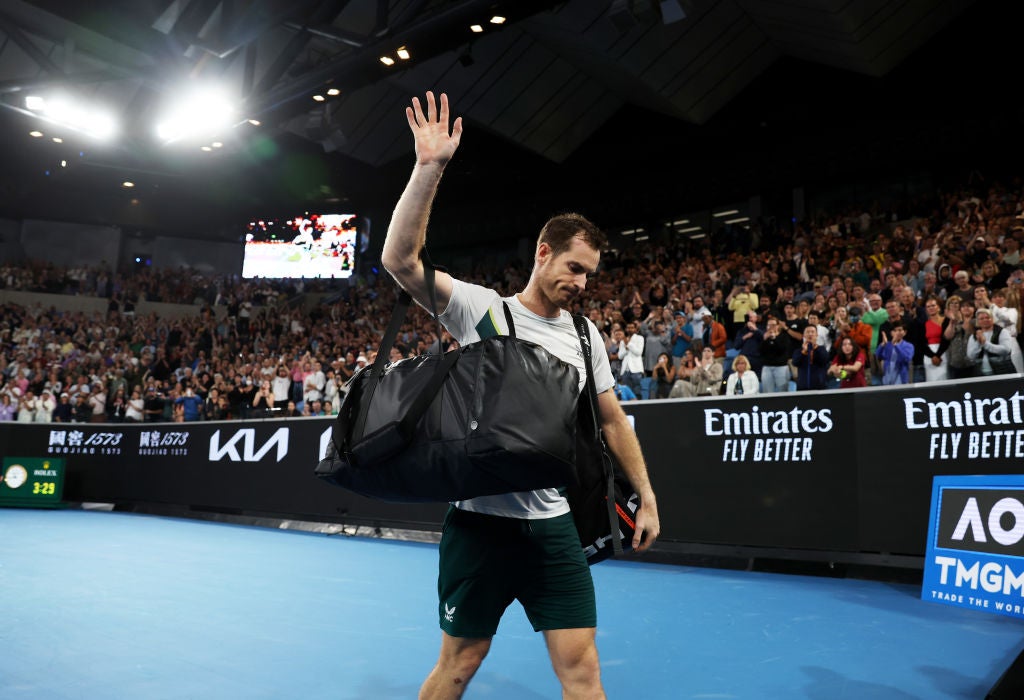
(975, 551)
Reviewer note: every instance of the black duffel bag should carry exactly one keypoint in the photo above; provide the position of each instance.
(495, 416)
(603, 502)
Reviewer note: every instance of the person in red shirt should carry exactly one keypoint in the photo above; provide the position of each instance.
(848, 365)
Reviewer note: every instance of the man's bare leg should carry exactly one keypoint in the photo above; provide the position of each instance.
(459, 660)
(574, 657)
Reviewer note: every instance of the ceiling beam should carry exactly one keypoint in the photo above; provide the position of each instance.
(324, 14)
(434, 35)
(30, 48)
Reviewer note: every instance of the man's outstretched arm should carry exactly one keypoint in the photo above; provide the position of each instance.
(623, 443)
(407, 233)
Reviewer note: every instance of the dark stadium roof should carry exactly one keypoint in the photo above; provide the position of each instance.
(583, 99)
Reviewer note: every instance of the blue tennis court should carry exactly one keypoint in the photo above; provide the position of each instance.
(100, 605)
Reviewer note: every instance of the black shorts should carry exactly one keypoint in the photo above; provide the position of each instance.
(488, 561)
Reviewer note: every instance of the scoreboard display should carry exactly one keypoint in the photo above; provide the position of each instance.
(32, 482)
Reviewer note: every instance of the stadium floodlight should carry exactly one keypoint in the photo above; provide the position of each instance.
(202, 113)
(67, 111)
(729, 212)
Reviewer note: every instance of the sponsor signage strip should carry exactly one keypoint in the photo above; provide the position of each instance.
(837, 471)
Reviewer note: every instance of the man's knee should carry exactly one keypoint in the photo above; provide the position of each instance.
(575, 661)
(463, 656)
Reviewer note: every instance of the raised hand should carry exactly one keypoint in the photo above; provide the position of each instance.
(434, 143)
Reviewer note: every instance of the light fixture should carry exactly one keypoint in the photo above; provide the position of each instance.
(739, 220)
(216, 144)
(58, 139)
(319, 98)
(35, 103)
(387, 60)
(334, 92)
(71, 112)
(403, 53)
(690, 230)
(128, 184)
(680, 222)
(642, 238)
(35, 134)
(476, 28)
(730, 212)
(203, 112)
(63, 164)
(497, 19)
(254, 122)
(205, 148)
(629, 232)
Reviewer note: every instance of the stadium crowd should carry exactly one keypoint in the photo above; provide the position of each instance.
(843, 301)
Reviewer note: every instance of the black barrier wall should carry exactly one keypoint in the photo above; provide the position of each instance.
(839, 471)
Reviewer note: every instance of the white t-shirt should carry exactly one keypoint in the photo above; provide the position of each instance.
(475, 313)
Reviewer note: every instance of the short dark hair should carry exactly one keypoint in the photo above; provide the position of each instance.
(559, 231)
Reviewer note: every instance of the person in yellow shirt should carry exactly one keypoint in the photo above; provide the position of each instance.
(741, 301)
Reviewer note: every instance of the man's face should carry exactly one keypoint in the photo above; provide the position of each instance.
(962, 280)
(630, 328)
(563, 277)
(698, 302)
(811, 334)
(894, 310)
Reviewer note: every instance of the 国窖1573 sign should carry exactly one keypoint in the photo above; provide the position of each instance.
(975, 552)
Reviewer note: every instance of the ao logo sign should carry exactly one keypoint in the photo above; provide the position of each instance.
(971, 519)
(246, 439)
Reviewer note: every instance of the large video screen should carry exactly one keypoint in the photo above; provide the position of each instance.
(308, 246)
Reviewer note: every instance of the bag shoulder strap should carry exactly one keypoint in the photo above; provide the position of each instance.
(609, 474)
(419, 406)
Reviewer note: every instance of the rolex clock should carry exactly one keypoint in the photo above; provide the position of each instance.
(32, 482)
